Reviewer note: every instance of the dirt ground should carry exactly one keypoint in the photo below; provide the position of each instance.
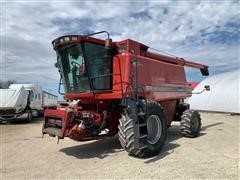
(213, 155)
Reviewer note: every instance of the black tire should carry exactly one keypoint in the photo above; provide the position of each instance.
(190, 124)
(127, 137)
(30, 116)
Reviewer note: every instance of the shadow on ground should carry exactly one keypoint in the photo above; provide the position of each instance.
(174, 134)
(210, 125)
(105, 147)
(37, 120)
(97, 148)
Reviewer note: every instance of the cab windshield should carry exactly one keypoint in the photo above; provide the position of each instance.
(84, 67)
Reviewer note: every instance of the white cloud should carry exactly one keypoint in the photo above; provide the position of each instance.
(188, 29)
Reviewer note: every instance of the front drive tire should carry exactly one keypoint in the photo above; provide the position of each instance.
(190, 124)
(156, 131)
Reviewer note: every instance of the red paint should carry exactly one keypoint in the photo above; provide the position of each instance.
(154, 71)
(193, 84)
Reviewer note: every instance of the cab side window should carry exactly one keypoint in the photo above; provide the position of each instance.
(31, 95)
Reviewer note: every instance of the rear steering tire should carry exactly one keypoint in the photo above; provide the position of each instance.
(156, 131)
(190, 124)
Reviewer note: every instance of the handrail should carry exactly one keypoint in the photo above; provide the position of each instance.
(111, 75)
(59, 86)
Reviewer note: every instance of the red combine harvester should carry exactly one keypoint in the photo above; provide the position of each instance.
(120, 88)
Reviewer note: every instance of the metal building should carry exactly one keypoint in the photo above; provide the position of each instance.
(224, 95)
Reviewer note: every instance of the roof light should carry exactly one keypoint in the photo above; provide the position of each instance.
(66, 39)
(74, 38)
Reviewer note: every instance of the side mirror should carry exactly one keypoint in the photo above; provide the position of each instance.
(207, 87)
(205, 71)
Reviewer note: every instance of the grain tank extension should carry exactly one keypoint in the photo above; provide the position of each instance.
(120, 88)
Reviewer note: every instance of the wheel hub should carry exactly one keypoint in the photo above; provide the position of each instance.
(154, 129)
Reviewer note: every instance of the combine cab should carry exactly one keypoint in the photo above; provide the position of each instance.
(120, 88)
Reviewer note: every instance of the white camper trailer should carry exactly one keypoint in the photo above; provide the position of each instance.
(24, 101)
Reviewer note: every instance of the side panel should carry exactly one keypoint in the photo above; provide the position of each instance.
(162, 81)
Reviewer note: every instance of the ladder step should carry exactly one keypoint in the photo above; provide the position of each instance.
(143, 124)
(141, 114)
(143, 147)
(143, 136)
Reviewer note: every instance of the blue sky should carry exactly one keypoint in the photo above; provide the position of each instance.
(203, 31)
